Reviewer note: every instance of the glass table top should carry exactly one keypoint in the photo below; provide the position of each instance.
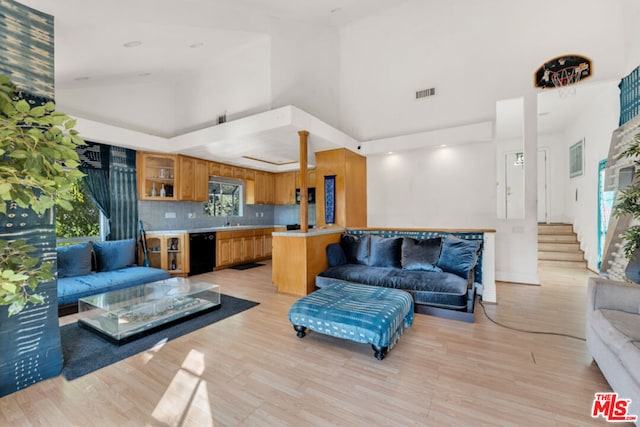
(125, 314)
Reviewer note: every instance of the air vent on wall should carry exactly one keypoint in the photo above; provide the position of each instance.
(426, 92)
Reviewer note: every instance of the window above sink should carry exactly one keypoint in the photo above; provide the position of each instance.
(225, 198)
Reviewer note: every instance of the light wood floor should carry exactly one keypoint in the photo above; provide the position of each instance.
(251, 369)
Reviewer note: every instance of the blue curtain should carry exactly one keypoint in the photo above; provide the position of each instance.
(111, 181)
(94, 163)
(124, 193)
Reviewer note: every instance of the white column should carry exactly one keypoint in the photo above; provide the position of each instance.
(489, 268)
(528, 250)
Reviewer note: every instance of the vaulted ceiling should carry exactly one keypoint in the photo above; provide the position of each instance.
(169, 69)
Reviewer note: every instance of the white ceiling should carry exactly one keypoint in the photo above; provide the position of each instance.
(173, 38)
(176, 36)
(193, 34)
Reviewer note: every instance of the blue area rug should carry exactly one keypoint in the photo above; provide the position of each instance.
(85, 351)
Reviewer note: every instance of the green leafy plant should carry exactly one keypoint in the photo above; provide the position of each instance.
(628, 202)
(18, 275)
(38, 167)
(82, 220)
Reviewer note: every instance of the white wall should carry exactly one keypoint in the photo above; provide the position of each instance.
(444, 187)
(632, 41)
(238, 84)
(165, 105)
(557, 172)
(595, 125)
(138, 105)
(504, 146)
(469, 52)
(474, 57)
(305, 69)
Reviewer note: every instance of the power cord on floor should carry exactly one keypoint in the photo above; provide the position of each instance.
(528, 331)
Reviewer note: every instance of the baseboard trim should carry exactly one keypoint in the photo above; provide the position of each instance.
(505, 276)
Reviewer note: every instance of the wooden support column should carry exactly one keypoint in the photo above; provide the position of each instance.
(304, 191)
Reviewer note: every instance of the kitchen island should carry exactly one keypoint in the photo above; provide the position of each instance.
(299, 256)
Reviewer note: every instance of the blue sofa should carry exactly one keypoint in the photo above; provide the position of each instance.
(91, 268)
(438, 269)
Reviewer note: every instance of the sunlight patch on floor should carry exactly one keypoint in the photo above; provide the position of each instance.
(148, 355)
(187, 397)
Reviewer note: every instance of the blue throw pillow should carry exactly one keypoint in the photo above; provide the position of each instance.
(335, 255)
(74, 260)
(355, 248)
(116, 254)
(458, 256)
(385, 252)
(421, 255)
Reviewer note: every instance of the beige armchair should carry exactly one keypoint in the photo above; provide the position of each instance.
(613, 336)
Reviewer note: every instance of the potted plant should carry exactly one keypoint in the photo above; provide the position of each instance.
(628, 203)
(38, 166)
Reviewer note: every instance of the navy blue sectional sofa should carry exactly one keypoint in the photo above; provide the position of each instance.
(439, 269)
(91, 268)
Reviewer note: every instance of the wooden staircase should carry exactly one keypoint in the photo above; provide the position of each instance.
(558, 246)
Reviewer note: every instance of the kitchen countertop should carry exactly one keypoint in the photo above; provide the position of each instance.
(312, 232)
(209, 229)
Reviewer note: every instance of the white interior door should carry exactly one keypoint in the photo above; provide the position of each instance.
(514, 185)
(543, 215)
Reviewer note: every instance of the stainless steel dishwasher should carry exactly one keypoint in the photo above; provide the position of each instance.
(202, 252)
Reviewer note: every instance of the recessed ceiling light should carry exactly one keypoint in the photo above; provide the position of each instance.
(196, 45)
(81, 78)
(389, 152)
(133, 43)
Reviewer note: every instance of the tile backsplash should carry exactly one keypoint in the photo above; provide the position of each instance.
(157, 216)
(290, 214)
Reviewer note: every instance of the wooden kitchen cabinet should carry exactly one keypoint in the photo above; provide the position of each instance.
(242, 246)
(194, 179)
(267, 244)
(239, 173)
(172, 177)
(311, 178)
(261, 190)
(285, 188)
(158, 176)
(223, 249)
(226, 170)
(237, 250)
(249, 175)
(202, 181)
(249, 248)
(286, 184)
(214, 168)
(169, 252)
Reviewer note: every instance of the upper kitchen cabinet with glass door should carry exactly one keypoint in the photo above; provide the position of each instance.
(157, 176)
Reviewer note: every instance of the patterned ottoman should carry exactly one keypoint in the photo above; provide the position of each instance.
(360, 313)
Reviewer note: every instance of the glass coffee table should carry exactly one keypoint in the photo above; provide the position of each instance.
(126, 314)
